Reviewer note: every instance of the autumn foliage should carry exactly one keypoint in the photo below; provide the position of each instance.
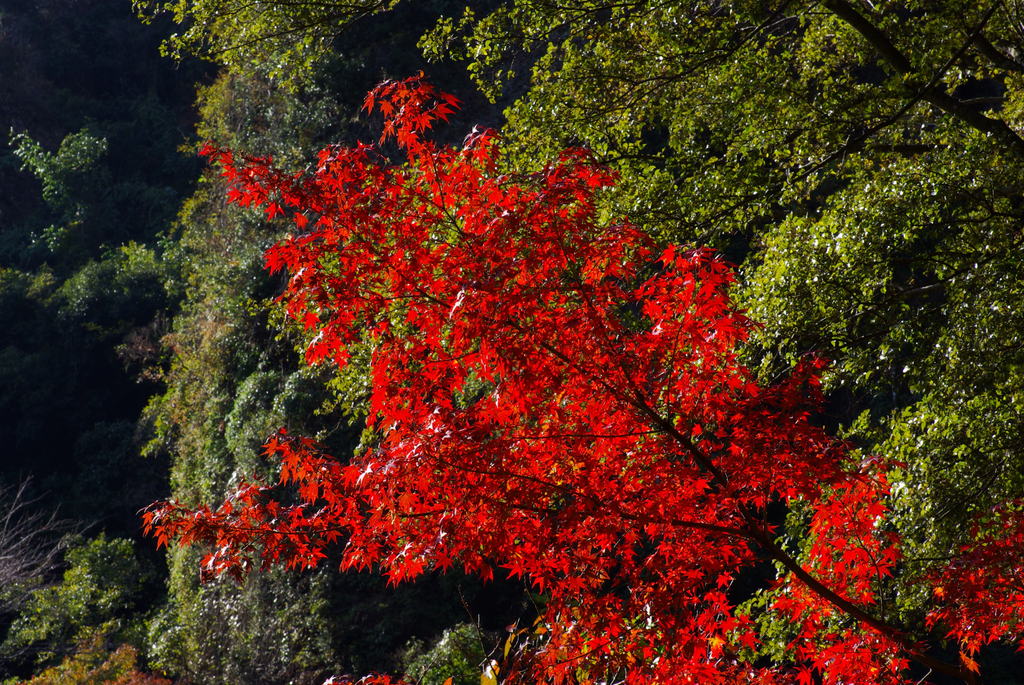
(555, 397)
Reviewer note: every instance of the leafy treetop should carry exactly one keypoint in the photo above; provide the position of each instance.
(284, 38)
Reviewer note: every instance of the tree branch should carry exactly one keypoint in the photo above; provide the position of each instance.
(931, 92)
(996, 56)
(30, 543)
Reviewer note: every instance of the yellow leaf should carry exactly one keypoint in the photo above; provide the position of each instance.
(970, 663)
(490, 674)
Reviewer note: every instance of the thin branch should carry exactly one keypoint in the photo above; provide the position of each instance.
(931, 92)
(31, 543)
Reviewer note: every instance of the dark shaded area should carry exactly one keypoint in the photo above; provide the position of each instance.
(70, 297)
(91, 175)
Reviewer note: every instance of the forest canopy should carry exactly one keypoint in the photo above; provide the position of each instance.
(857, 163)
(540, 404)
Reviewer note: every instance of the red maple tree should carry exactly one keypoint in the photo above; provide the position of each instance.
(555, 396)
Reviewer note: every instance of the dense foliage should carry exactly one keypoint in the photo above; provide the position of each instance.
(540, 403)
(90, 179)
(235, 377)
(860, 163)
(863, 160)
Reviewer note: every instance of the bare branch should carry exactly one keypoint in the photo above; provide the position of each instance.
(31, 543)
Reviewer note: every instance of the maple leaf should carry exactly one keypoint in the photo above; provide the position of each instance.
(559, 396)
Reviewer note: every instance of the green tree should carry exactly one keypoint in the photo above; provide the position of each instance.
(90, 174)
(68, 177)
(90, 179)
(283, 38)
(862, 160)
(96, 601)
(458, 655)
